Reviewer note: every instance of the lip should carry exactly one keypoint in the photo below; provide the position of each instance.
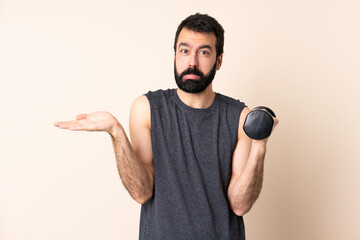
(191, 77)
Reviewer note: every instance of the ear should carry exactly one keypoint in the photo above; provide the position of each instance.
(219, 61)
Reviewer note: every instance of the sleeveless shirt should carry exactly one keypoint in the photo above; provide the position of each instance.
(192, 154)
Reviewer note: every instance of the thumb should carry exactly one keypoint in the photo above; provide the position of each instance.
(81, 116)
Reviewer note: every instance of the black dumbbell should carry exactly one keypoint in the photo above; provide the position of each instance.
(259, 123)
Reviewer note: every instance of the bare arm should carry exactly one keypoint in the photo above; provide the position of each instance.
(134, 161)
(247, 170)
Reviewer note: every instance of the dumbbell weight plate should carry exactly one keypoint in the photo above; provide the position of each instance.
(259, 123)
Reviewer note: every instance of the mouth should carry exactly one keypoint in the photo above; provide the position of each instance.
(191, 77)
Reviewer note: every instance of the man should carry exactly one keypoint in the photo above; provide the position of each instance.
(189, 164)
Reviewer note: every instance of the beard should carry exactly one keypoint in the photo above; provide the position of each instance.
(194, 86)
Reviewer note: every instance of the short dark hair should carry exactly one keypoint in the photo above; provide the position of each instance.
(203, 23)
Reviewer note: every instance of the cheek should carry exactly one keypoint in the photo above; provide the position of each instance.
(180, 66)
(208, 66)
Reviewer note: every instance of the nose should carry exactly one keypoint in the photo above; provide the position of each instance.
(193, 61)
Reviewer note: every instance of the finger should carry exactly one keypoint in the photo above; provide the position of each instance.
(79, 127)
(68, 124)
(82, 127)
(59, 124)
(81, 116)
(276, 121)
(56, 124)
(64, 122)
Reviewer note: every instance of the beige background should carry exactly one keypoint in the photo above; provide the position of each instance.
(61, 58)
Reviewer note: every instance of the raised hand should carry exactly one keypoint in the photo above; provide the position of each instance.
(97, 121)
(259, 123)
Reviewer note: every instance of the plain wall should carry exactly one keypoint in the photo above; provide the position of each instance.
(61, 58)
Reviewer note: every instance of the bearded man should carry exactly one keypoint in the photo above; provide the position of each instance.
(190, 163)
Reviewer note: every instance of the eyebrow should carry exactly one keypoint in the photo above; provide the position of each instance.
(184, 44)
(201, 47)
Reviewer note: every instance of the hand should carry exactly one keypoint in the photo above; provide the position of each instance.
(97, 121)
(264, 141)
(259, 123)
(276, 121)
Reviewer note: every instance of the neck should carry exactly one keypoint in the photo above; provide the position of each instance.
(203, 99)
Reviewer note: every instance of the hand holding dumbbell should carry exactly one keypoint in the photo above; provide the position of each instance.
(259, 123)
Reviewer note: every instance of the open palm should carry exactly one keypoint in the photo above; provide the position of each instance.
(97, 121)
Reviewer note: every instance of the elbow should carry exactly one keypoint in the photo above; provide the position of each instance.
(241, 210)
(142, 199)
(239, 206)
(143, 193)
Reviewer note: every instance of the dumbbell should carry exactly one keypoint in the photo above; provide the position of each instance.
(259, 123)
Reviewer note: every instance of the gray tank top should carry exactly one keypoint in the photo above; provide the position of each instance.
(192, 152)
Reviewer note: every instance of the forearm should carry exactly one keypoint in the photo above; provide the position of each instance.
(132, 172)
(246, 188)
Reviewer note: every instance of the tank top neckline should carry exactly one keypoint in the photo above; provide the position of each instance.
(180, 103)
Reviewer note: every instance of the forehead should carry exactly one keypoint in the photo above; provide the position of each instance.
(196, 38)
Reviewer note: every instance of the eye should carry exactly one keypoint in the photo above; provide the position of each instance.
(204, 52)
(184, 51)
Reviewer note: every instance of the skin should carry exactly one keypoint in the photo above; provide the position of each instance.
(135, 159)
(199, 50)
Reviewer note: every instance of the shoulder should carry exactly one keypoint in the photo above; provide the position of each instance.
(232, 106)
(230, 101)
(160, 99)
(237, 107)
(140, 111)
(140, 103)
(144, 101)
(159, 94)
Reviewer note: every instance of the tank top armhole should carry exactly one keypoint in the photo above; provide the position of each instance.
(242, 105)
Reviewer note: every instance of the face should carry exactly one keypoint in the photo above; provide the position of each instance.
(195, 60)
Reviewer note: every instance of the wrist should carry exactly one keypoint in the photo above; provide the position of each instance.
(258, 147)
(116, 130)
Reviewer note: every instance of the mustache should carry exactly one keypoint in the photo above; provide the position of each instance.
(194, 71)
